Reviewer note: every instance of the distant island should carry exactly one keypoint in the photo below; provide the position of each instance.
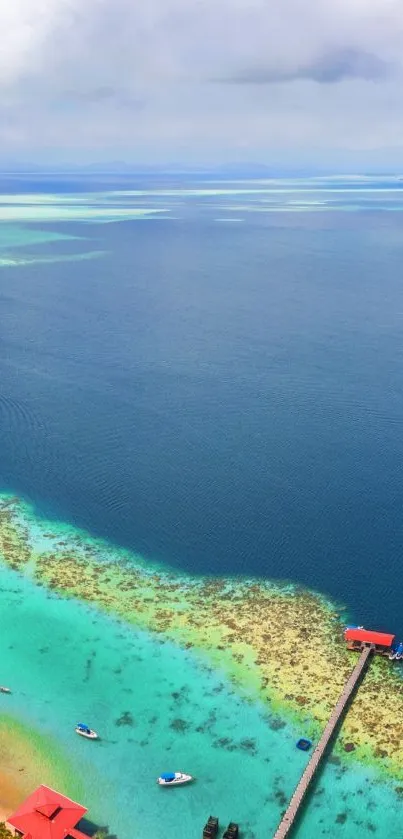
(235, 169)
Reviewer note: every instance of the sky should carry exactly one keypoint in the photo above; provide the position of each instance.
(281, 82)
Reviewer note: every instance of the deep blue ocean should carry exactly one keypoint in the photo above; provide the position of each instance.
(222, 388)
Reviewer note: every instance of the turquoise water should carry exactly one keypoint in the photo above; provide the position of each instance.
(18, 245)
(20, 236)
(25, 221)
(155, 706)
(158, 708)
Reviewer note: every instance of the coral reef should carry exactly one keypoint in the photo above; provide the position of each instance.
(276, 642)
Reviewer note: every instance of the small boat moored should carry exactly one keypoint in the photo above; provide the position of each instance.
(210, 830)
(173, 779)
(304, 744)
(85, 731)
(232, 831)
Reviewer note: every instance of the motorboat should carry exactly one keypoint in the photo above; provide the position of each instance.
(396, 652)
(4, 690)
(399, 652)
(173, 779)
(85, 731)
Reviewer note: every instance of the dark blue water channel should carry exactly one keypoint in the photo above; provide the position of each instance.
(227, 398)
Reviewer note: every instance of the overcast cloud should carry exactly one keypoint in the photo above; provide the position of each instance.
(201, 80)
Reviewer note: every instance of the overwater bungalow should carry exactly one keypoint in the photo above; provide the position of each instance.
(357, 638)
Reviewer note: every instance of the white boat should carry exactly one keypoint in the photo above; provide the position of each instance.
(4, 690)
(84, 731)
(173, 779)
(397, 653)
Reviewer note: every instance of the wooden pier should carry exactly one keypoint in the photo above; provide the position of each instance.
(293, 808)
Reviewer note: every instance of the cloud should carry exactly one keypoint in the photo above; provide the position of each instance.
(330, 68)
(172, 78)
(103, 95)
(347, 64)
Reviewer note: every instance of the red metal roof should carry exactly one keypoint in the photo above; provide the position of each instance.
(369, 637)
(46, 814)
(48, 810)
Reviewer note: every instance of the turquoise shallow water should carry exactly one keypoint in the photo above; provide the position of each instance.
(158, 708)
(18, 245)
(21, 236)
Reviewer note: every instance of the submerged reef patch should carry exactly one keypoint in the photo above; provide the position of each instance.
(278, 643)
(16, 260)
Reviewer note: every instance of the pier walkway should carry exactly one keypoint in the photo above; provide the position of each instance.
(295, 803)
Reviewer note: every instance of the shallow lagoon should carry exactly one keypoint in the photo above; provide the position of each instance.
(157, 708)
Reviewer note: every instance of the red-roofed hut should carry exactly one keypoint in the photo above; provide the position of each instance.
(46, 814)
(357, 638)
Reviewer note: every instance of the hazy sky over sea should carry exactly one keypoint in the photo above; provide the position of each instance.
(295, 81)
